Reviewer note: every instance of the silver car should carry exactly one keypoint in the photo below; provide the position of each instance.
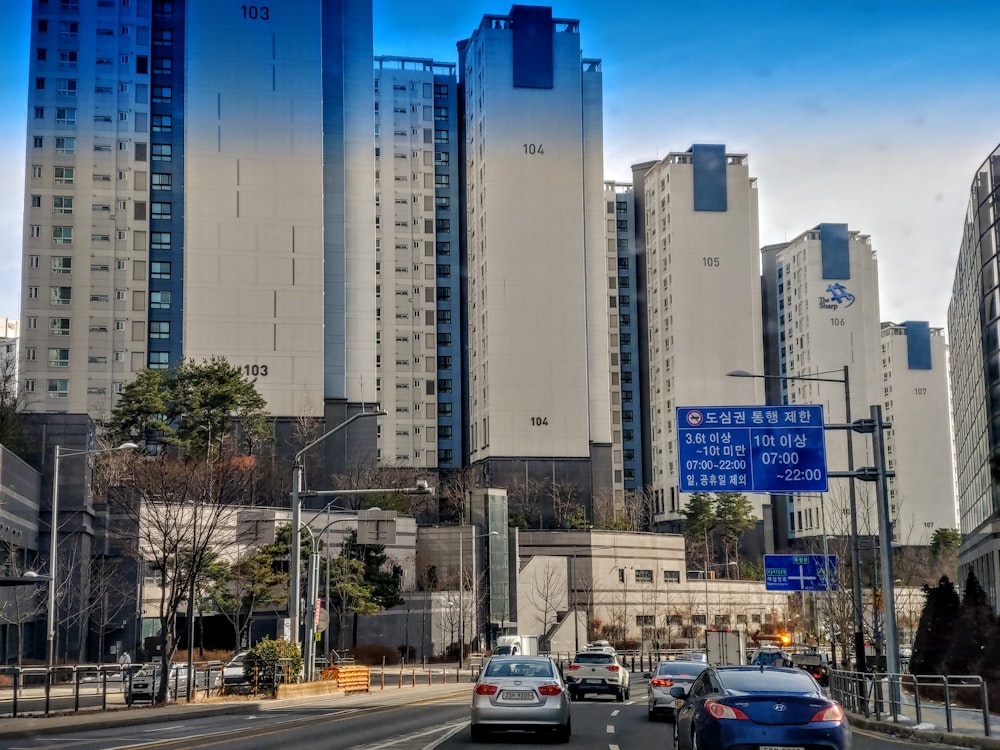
(669, 674)
(520, 693)
(146, 683)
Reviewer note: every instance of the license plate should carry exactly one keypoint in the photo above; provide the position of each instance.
(594, 682)
(518, 695)
(782, 747)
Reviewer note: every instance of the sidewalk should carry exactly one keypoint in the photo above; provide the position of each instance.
(86, 720)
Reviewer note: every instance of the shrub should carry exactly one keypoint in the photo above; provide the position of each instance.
(273, 662)
(407, 652)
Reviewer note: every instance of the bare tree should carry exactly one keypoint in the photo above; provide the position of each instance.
(454, 487)
(12, 402)
(548, 594)
(18, 604)
(565, 502)
(182, 515)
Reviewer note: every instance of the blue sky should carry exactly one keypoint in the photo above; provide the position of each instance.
(875, 112)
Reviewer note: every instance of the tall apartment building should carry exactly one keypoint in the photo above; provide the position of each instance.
(200, 184)
(627, 375)
(696, 220)
(918, 447)
(420, 315)
(974, 331)
(821, 312)
(539, 365)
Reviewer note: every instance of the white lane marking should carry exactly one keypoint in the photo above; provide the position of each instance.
(613, 747)
(450, 729)
(610, 729)
(615, 712)
(446, 737)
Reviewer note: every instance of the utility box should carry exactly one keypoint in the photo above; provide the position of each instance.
(726, 648)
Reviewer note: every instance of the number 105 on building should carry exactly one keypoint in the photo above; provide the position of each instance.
(751, 449)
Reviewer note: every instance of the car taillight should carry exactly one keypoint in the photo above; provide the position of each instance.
(722, 711)
(660, 682)
(550, 690)
(833, 713)
(486, 689)
(573, 667)
(613, 667)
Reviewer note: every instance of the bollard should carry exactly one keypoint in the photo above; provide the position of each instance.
(383, 679)
(414, 676)
(400, 675)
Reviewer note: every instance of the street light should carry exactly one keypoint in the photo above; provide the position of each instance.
(295, 566)
(54, 542)
(461, 587)
(859, 631)
(705, 574)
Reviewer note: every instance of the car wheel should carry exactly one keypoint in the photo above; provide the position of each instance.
(479, 733)
(694, 740)
(563, 733)
(650, 715)
(628, 693)
(573, 695)
(620, 695)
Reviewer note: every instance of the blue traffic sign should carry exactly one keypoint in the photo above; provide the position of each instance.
(779, 449)
(799, 572)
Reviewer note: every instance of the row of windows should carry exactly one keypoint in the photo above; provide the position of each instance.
(63, 295)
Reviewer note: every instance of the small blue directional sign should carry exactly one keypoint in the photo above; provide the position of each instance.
(779, 449)
(799, 572)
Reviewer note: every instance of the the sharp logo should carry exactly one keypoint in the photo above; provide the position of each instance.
(838, 298)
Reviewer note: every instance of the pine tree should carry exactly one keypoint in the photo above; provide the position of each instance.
(936, 629)
(975, 623)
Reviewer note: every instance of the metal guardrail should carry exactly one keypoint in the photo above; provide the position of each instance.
(34, 690)
(890, 695)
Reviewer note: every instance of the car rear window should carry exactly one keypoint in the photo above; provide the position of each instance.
(679, 669)
(767, 681)
(592, 657)
(513, 668)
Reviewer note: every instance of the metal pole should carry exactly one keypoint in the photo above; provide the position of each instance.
(885, 544)
(312, 592)
(461, 599)
(705, 574)
(53, 564)
(859, 627)
(829, 595)
(576, 616)
(294, 595)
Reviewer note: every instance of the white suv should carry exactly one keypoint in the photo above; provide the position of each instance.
(596, 671)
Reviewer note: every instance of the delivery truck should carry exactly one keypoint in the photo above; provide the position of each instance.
(726, 648)
(516, 645)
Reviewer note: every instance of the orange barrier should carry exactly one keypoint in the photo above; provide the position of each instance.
(350, 679)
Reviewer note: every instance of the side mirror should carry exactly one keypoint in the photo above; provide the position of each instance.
(678, 692)
(647, 675)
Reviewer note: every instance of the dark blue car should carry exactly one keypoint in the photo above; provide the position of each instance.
(760, 707)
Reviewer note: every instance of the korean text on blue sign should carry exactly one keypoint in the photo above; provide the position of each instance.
(779, 449)
(800, 572)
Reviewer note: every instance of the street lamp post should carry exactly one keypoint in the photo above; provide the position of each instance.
(54, 543)
(859, 633)
(295, 564)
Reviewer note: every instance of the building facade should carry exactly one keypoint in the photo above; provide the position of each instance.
(974, 328)
(918, 447)
(821, 313)
(701, 291)
(420, 316)
(200, 184)
(535, 248)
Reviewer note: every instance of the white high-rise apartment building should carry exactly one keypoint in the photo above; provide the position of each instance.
(698, 221)
(822, 313)
(200, 184)
(535, 229)
(918, 447)
(416, 203)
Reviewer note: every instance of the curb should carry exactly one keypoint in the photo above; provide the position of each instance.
(928, 735)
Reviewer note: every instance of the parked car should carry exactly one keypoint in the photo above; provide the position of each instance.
(146, 682)
(522, 693)
(739, 707)
(233, 674)
(595, 671)
(669, 674)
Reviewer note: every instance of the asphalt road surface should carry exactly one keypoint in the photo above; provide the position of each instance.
(396, 720)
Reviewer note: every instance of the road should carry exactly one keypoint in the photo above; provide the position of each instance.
(396, 720)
